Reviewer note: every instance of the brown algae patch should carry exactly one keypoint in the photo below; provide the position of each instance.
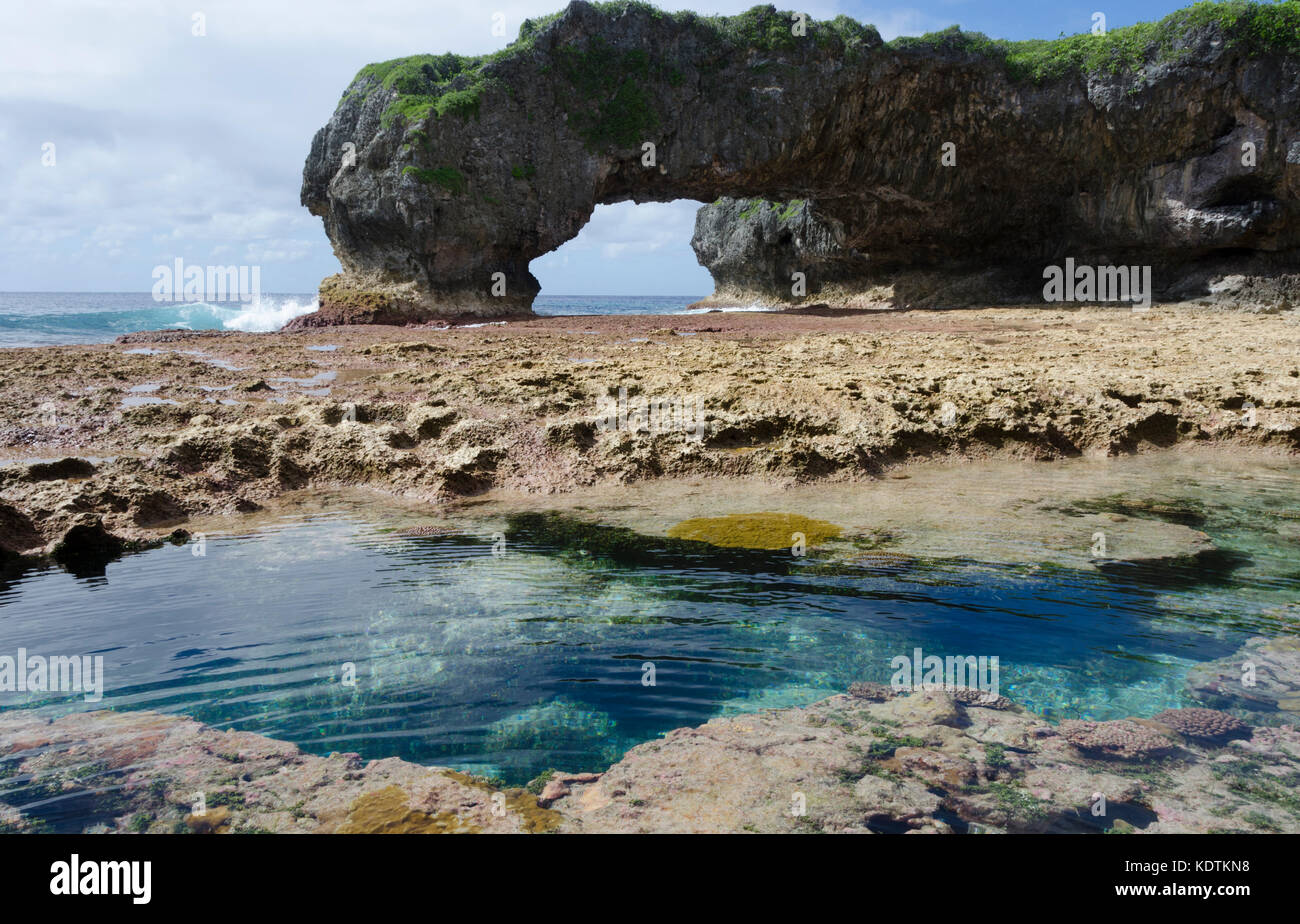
(769, 531)
(534, 818)
(388, 811)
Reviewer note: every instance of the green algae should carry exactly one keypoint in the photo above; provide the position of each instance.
(768, 531)
(604, 88)
(1020, 805)
(538, 783)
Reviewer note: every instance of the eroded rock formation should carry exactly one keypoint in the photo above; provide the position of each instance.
(927, 762)
(1176, 145)
(775, 253)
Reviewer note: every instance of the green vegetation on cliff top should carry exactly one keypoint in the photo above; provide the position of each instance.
(1258, 28)
(605, 88)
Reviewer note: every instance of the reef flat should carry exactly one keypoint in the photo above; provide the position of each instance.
(835, 423)
(130, 441)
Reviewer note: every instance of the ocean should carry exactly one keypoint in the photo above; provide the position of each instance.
(50, 318)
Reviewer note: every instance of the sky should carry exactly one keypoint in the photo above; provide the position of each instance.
(127, 141)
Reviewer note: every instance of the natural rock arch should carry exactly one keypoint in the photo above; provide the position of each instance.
(439, 177)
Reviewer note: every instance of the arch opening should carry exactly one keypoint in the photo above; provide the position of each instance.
(629, 258)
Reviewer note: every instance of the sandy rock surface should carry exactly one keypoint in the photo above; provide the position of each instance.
(142, 435)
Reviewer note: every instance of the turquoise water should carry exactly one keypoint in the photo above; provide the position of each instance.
(510, 664)
(51, 318)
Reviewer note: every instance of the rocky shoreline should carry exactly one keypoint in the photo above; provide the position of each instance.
(128, 442)
(868, 761)
(165, 430)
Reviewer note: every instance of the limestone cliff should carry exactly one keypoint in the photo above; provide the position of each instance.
(1175, 145)
(775, 254)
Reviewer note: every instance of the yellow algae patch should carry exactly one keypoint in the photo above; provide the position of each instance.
(535, 819)
(388, 811)
(215, 820)
(755, 530)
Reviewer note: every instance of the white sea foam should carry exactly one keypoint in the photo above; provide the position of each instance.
(267, 314)
(263, 314)
(754, 307)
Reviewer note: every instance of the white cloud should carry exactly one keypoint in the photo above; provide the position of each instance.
(171, 145)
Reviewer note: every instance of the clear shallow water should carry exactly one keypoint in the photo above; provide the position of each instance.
(508, 665)
(51, 318)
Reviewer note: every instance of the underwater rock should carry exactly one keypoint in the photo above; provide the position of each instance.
(555, 725)
(429, 530)
(841, 765)
(770, 531)
(861, 766)
(140, 771)
(1261, 681)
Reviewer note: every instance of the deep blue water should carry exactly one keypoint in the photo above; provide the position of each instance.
(507, 665)
(48, 318)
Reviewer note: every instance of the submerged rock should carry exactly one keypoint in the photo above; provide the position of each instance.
(770, 531)
(557, 725)
(146, 772)
(1260, 682)
(930, 763)
(924, 763)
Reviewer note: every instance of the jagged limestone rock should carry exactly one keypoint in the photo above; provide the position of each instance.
(440, 177)
(753, 249)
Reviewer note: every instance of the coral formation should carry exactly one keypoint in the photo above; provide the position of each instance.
(1204, 724)
(1121, 739)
